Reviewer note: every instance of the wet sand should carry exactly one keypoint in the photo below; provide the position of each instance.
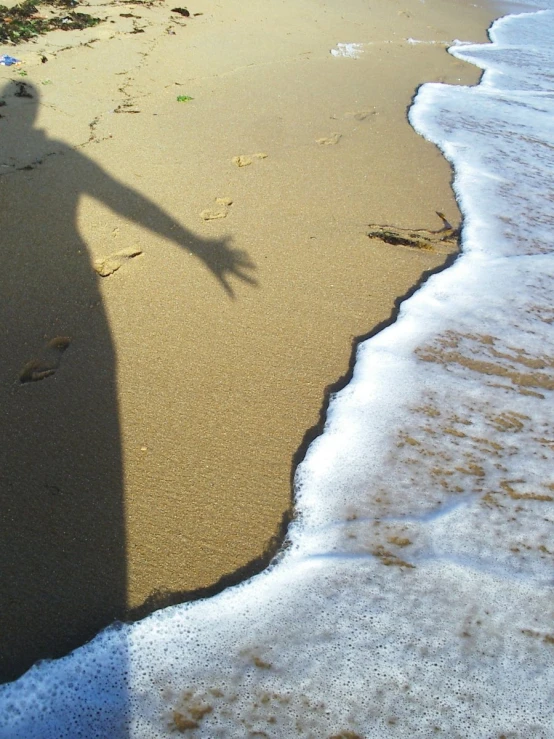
(154, 464)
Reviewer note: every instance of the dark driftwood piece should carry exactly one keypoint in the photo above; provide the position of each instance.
(446, 238)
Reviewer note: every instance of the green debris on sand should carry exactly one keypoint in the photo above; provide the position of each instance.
(184, 98)
(24, 21)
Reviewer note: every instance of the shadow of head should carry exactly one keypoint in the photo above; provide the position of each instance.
(19, 101)
(21, 143)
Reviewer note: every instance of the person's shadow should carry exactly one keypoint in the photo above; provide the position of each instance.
(62, 538)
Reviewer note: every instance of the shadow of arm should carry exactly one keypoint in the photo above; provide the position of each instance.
(222, 261)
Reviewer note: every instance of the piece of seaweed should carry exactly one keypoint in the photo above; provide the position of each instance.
(23, 21)
(419, 239)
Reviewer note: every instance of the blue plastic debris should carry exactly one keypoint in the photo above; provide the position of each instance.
(7, 60)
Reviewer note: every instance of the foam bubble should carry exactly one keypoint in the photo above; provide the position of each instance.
(348, 50)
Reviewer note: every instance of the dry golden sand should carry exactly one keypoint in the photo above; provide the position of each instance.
(158, 457)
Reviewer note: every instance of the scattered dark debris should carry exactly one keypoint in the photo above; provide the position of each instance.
(23, 21)
(2, 103)
(22, 91)
(62, 3)
(44, 59)
(196, 14)
(28, 167)
(182, 11)
(129, 15)
(126, 109)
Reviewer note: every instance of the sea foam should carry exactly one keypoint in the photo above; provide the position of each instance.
(416, 596)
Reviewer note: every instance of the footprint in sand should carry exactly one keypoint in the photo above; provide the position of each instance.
(244, 160)
(360, 115)
(110, 264)
(220, 212)
(334, 138)
(47, 361)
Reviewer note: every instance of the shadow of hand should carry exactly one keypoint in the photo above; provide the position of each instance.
(224, 262)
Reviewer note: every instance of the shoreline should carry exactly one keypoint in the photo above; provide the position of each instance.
(168, 432)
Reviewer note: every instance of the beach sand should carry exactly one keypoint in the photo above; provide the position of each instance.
(152, 461)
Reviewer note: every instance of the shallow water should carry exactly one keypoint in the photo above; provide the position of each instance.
(416, 596)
